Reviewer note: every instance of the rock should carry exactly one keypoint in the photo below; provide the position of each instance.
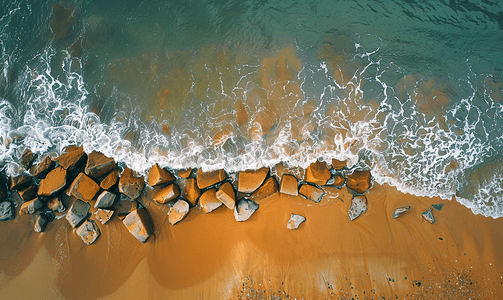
(337, 180)
(289, 185)
(45, 166)
(269, 188)
(28, 193)
(359, 181)
(41, 223)
(251, 180)
(158, 176)
(311, 192)
(111, 180)
(103, 215)
(50, 216)
(138, 224)
(78, 212)
(209, 201)
(428, 216)
(338, 164)
(19, 181)
(105, 200)
(3, 191)
(98, 164)
(178, 211)
(244, 209)
(207, 179)
(166, 194)
(27, 159)
(191, 191)
(438, 206)
(400, 210)
(226, 195)
(6, 211)
(358, 206)
(185, 173)
(73, 159)
(88, 232)
(55, 204)
(84, 188)
(54, 182)
(123, 207)
(317, 173)
(130, 185)
(30, 207)
(295, 221)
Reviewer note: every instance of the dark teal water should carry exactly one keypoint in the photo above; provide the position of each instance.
(411, 89)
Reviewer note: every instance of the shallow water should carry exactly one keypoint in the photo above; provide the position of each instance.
(411, 89)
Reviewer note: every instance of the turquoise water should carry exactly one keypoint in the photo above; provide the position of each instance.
(411, 89)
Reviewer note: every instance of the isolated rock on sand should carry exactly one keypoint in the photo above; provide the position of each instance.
(27, 159)
(84, 188)
(103, 215)
(45, 166)
(191, 191)
(185, 173)
(359, 181)
(226, 195)
(317, 173)
(111, 180)
(311, 192)
(244, 209)
(19, 181)
(400, 210)
(98, 164)
(78, 212)
(295, 221)
(358, 206)
(88, 232)
(138, 224)
(428, 216)
(41, 223)
(269, 188)
(30, 207)
(207, 179)
(289, 185)
(105, 200)
(250, 180)
(209, 201)
(438, 206)
(27, 193)
(158, 176)
(6, 211)
(166, 194)
(54, 182)
(178, 211)
(131, 185)
(336, 180)
(73, 159)
(55, 204)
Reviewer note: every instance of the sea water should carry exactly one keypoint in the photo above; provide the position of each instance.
(412, 90)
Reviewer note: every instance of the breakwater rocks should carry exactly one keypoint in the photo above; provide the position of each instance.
(90, 189)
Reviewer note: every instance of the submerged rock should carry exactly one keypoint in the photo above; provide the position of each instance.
(428, 216)
(158, 176)
(337, 180)
(73, 159)
(41, 223)
(400, 210)
(166, 194)
(207, 179)
(178, 211)
(226, 195)
(185, 173)
(30, 207)
(250, 180)
(98, 164)
(84, 188)
(317, 173)
(191, 191)
(6, 211)
(244, 209)
(55, 204)
(77, 212)
(289, 185)
(138, 224)
(295, 221)
(88, 232)
(19, 181)
(209, 201)
(45, 166)
(53, 183)
(311, 192)
(3, 191)
(27, 159)
(359, 181)
(111, 180)
(358, 206)
(131, 185)
(269, 188)
(103, 215)
(105, 200)
(338, 164)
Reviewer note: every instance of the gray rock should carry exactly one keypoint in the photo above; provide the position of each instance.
(88, 232)
(178, 211)
(41, 223)
(138, 224)
(400, 210)
(428, 216)
(244, 209)
(78, 212)
(105, 200)
(358, 206)
(295, 221)
(30, 207)
(438, 206)
(6, 211)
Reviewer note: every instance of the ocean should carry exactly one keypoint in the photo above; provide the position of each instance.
(412, 90)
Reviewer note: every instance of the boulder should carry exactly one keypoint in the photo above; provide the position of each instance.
(88, 232)
(84, 188)
(77, 212)
(191, 191)
(166, 194)
(103, 215)
(41, 223)
(207, 179)
(55, 204)
(45, 166)
(338, 164)
(438, 206)
(105, 200)
(244, 209)
(6, 211)
(400, 210)
(311, 192)
(138, 224)
(209, 201)
(27, 193)
(54, 182)
(123, 207)
(73, 159)
(185, 173)
(428, 216)
(178, 211)
(250, 180)
(359, 181)
(358, 206)
(158, 176)
(131, 185)
(295, 221)
(111, 180)
(98, 164)
(27, 159)
(336, 180)
(317, 173)
(3, 191)
(289, 185)
(19, 181)
(30, 207)
(226, 195)
(269, 188)
(50, 216)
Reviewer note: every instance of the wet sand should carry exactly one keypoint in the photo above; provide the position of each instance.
(211, 256)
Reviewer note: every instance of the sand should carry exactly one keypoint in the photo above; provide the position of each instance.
(211, 256)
